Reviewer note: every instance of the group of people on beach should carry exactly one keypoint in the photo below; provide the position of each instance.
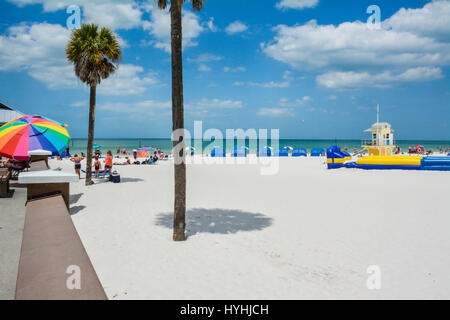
(97, 164)
(108, 161)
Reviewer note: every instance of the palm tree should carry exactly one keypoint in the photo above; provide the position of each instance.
(95, 54)
(179, 220)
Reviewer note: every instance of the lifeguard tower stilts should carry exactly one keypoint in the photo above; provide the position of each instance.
(382, 138)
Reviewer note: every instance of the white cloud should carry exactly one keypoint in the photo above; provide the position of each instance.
(80, 104)
(352, 45)
(142, 108)
(296, 4)
(127, 80)
(237, 69)
(113, 15)
(410, 39)
(211, 25)
(431, 20)
(205, 57)
(204, 68)
(275, 112)
(39, 49)
(31, 46)
(285, 102)
(159, 28)
(269, 84)
(350, 79)
(208, 104)
(236, 27)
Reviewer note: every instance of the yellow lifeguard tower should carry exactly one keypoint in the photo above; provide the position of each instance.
(382, 138)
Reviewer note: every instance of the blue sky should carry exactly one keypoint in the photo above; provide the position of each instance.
(312, 68)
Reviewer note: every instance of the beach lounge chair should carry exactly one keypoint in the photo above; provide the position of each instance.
(283, 152)
(299, 152)
(264, 152)
(317, 152)
(218, 152)
(239, 152)
(16, 167)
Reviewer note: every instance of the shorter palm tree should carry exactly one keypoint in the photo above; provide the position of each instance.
(95, 54)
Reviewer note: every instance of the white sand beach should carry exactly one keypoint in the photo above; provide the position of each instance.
(306, 232)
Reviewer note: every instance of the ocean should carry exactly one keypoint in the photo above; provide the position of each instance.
(80, 145)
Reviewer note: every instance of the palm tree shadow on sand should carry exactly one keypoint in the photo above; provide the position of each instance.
(220, 221)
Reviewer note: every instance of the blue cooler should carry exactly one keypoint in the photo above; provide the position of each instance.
(114, 177)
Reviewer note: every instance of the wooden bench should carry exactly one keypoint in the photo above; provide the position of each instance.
(52, 253)
(5, 175)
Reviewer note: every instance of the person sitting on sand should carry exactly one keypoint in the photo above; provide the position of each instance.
(77, 161)
(108, 163)
(127, 162)
(97, 167)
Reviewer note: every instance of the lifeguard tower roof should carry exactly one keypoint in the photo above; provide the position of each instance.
(379, 126)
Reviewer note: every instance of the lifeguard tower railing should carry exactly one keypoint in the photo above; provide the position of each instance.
(372, 143)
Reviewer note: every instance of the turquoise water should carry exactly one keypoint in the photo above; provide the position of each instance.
(80, 145)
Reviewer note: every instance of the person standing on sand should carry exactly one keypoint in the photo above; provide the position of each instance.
(108, 163)
(67, 152)
(77, 161)
(118, 150)
(97, 167)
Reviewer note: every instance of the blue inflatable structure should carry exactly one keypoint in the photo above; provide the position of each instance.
(336, 158)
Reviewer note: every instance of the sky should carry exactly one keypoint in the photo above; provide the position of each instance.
(314, 69)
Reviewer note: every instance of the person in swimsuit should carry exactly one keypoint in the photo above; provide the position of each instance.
(77, 161)
(97, 167)
(108, 163)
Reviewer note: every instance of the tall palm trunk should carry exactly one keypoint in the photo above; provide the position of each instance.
(179, 223)
(90, 136)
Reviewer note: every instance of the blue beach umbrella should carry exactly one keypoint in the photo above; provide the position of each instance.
(96, 146)
(147, 148)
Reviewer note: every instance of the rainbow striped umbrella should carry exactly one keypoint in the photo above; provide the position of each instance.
(143, 154)
(29, 133)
